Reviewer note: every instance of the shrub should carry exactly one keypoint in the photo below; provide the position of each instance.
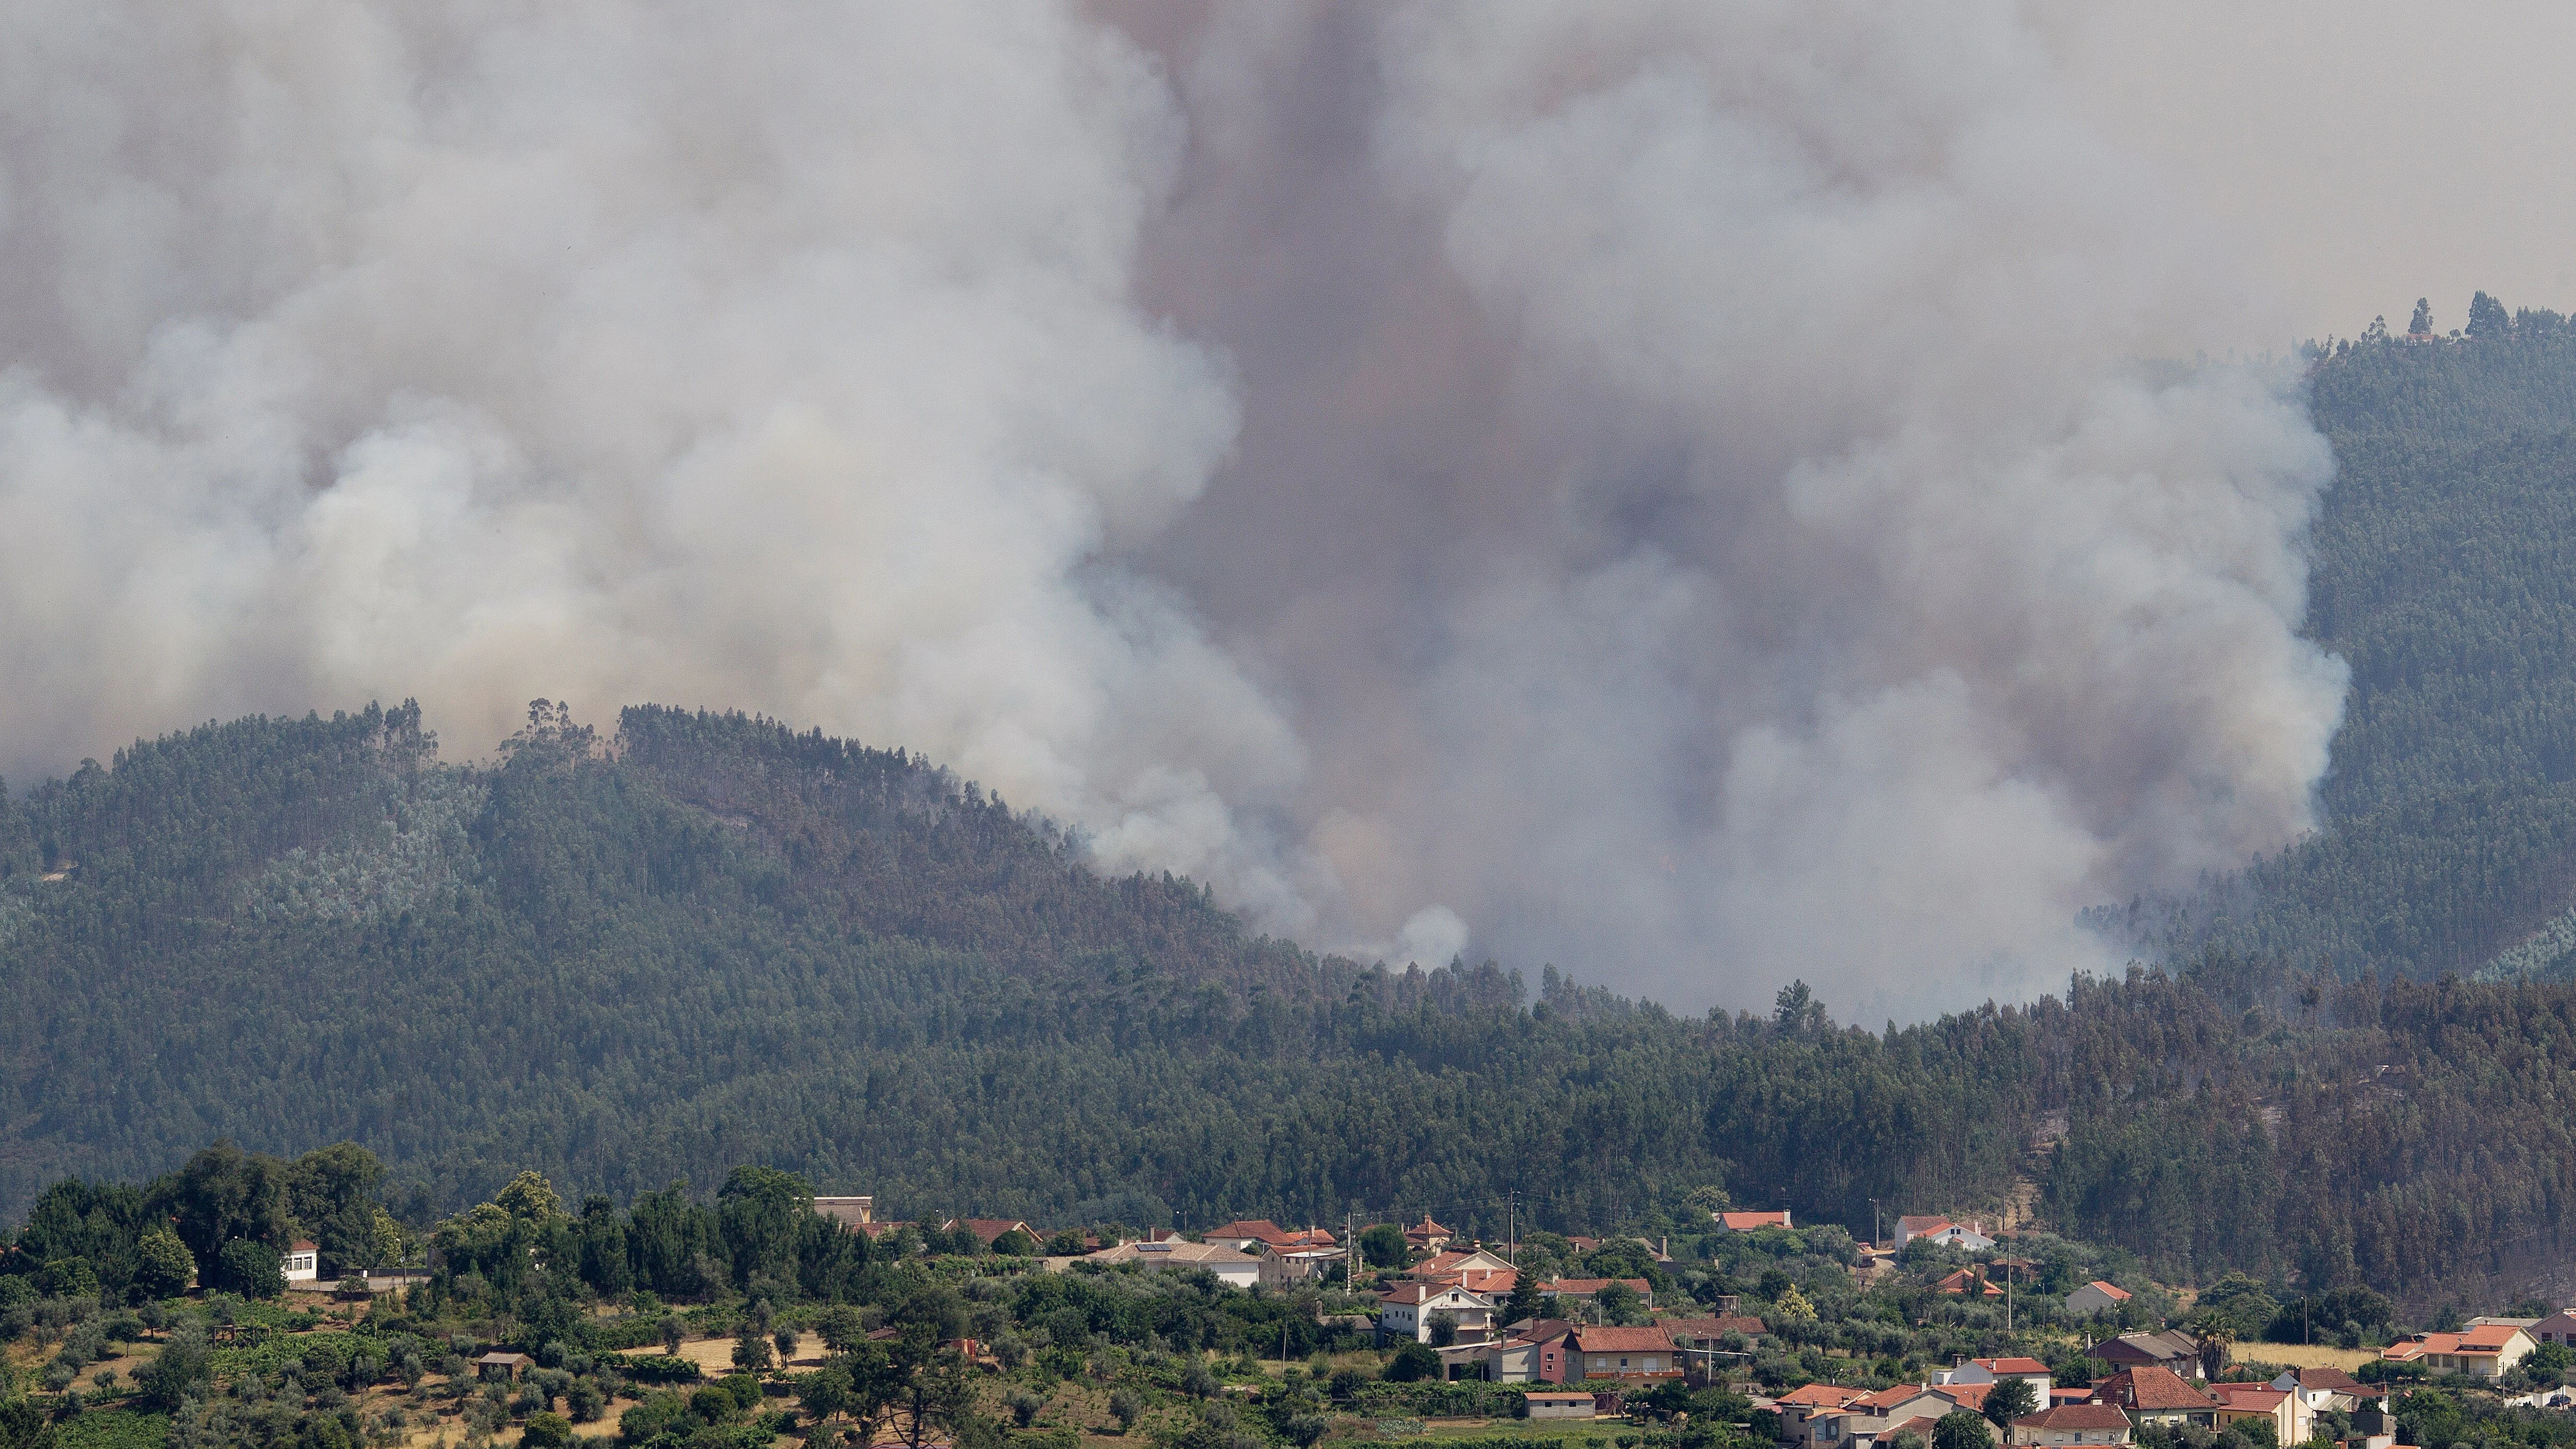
(547, 1431)
(660, 1368)
(1413, 1363)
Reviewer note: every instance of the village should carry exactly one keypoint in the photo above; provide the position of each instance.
(1753, 1330)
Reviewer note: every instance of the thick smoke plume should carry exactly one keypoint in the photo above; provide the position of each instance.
(1673, 490)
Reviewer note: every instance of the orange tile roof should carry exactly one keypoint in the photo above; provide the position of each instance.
(2148, 1388)
(1593, 1338)
(1966, 1396)
(1832, 1396)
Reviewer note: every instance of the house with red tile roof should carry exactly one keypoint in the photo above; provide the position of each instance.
(1968, 1281)
(1405, 1312)
(1252, 1235)
(1995, 1370)
(1427, 1236)
(2485, 1351)
(2069, 1425)
(2262, 1404)
(2151, 1395)
(1602, 1352)
(1746, 1222)
(989, 1231)
(1475, 1270)
(2326, 1388)
(1942, 1230)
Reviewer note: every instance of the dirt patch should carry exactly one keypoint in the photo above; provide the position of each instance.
(2298, 1355)
(714, 1356)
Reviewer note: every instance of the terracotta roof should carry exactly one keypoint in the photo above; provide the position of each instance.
(1831, 1396)
(1965, 1279)
(1966, 1396)
(2118, 1293)
(304, 1245)
(1886, 1399)
(2074, 1416)
(2148, 1388)
(991, 1230)
(1593, 1338)
(1559, 1396)
(1262, 1228)
(2331, 1379)
(2023, 1366)
(1927, 1224)
(2486, 1339)
(1586, 1287)
(1920, 1425)
(2263, 1398)
(1427, 1229)
(1419, 1292)
(1747, 1222)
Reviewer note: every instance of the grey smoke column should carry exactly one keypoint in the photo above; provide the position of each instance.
(1667, 489)
(1701, 490)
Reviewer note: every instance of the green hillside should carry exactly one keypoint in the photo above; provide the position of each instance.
(2445, 573)
(710, 941)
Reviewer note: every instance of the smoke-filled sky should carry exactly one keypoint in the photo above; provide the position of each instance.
(1685, 493)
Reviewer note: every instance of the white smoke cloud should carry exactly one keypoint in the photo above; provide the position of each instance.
(1666, 489)
(782, 360)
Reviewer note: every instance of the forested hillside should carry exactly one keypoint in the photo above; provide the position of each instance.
(710, 940)
(2445, 573)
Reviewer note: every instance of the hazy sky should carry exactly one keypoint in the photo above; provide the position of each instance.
(2361, 154)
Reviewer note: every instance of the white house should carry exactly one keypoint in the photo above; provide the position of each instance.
(1994, 1370)
(2095, 1298)
(303, 1262)
(1406, 1309)
(1555, 1404)
(1942, 1230)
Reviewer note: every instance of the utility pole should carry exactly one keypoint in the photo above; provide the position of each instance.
(1873, 1222)
(1512, 1228)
